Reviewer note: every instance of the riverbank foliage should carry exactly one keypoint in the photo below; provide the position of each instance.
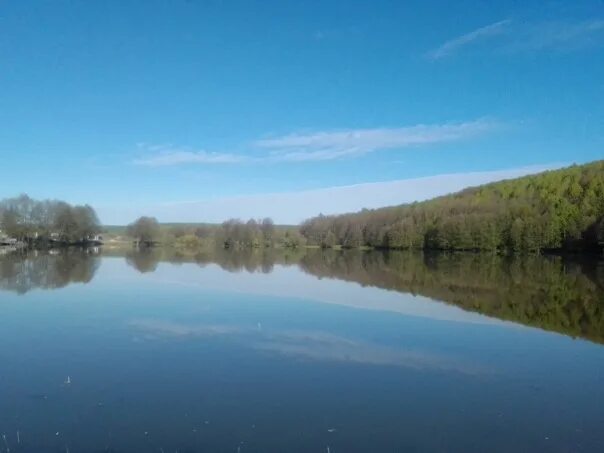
(33, 221)
(555, 210)
(233, 233)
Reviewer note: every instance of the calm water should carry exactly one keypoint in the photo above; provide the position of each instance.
(300, 352)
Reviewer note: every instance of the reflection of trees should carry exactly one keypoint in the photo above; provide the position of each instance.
(144, 259)
(551, 292)
(248, 259)
(547, 292)
(22, 272)
(244, 259)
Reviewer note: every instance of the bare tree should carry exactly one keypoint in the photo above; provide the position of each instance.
(144, 230)
(267, 227)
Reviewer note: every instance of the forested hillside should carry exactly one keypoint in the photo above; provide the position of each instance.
(562, 209)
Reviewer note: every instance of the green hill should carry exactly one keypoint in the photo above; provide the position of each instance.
(554, 210)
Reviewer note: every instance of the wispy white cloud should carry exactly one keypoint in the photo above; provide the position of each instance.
(320, 146)
(329, 145)
(161, 156)
(558, 36)
(481, 33)
(512, 37)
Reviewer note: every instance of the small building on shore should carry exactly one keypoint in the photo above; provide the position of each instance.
(5, 240)
(95, 238)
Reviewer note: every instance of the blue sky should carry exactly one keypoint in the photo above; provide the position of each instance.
(202, 110)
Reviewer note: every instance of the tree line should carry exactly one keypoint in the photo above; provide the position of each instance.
(32, 221)
(232, 233)
(554, 210)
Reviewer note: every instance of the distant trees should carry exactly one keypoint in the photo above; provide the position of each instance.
(203, 232)
(293, 239)
(267, 228)
(232, 233)
(144, 230)
(73, 224)
(253, 233)
(561, 209)
(30, 220)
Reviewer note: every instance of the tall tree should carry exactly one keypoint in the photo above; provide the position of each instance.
(144, 230)
(268, 230)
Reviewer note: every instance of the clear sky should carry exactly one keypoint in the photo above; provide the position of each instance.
(202, 110)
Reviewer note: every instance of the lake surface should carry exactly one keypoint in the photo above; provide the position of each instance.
(302, 351)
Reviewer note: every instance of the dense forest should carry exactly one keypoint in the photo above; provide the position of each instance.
(31, 221)
(562, 209)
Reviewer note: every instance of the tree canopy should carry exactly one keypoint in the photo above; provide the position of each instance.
(144, 230)
(29, 220)
(562, 209)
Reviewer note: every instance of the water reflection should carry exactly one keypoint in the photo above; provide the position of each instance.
(313, 345)
(561, 294)
(143, 259)
(221, 355)
(22, 272)
(552, 293)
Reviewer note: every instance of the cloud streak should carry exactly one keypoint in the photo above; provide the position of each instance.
(479, 34)
(322, 145)
(558, 36)
(167, 156)
(516, 37)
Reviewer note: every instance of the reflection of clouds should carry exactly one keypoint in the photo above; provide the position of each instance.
(162, 328)
(292, 285)
(310, 345)
(331, 348)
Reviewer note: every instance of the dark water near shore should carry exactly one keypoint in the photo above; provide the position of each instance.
(300, 351)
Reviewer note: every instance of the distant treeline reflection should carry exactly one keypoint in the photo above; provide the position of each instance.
(549, 292)
(556, 293)
(22, 271)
